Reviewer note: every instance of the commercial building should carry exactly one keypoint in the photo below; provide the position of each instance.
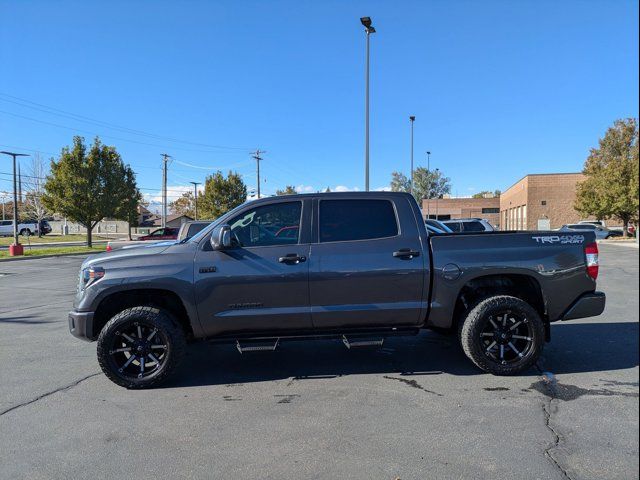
(451, 208)
(540, 202)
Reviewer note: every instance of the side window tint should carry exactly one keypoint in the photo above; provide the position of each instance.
(454, 226)
(344, 220)
(275, 224)
(473, 227)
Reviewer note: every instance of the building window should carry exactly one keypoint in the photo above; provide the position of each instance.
(544, 202)
(490, 210)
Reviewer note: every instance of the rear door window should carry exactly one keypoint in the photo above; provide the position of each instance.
(473, 227)
(454, 226)
(348, 220)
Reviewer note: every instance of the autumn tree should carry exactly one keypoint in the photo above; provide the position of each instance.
(87, 185)
(288, 190)
(184, 205)
(221, 194)
(611, 185)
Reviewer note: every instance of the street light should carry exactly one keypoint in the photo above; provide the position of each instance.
(412, 119)
(429, 193)
(195, 193)
(368, 28)
(16, 248)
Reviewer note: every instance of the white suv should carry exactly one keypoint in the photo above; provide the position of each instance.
(477, 225)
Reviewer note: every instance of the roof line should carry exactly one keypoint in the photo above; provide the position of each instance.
(539, 175)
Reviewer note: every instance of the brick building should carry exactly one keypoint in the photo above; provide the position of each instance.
(450, 208)
(540, 202)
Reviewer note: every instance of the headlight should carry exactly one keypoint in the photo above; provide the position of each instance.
(89, 275)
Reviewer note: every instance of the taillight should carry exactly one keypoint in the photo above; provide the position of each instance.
(591, 252)
(109, 248)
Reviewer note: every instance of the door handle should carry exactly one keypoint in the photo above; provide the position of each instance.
(406, 253)
(292, 259)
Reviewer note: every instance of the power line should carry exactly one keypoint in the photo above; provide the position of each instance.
(104, 136)
(73, 116)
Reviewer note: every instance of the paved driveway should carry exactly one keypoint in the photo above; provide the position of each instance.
(414, 409)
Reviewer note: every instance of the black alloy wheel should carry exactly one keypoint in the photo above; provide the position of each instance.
(140, 347)
(502, 335)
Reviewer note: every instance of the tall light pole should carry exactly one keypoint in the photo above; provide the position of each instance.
(368, 28)
(195, 196)
(429, 192)
(412, 119)
(17, 250)
(437, 197)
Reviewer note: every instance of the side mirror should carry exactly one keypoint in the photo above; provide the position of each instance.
(221, 237)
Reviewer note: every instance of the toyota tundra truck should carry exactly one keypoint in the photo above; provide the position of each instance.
(353, 266)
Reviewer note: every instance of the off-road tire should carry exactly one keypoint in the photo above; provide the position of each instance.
(149, 316)
(477, 320)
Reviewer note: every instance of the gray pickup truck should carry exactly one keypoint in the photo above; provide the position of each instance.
(353, 266)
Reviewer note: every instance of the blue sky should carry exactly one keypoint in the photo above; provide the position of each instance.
(499, 88)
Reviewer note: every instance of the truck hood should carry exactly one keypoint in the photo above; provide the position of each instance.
(128, 254)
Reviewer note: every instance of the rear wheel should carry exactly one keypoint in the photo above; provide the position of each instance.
(502, 335)
(140, 347)
(25, 232)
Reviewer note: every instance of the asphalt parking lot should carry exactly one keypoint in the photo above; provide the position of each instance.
(414, 409)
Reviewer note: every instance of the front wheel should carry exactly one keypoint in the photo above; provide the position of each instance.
(502, 335)
(140, 347)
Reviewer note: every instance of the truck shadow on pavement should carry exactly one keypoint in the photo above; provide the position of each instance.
(578, 347)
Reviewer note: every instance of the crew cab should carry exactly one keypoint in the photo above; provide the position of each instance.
(353, 266)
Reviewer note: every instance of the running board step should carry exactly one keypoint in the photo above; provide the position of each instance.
(356, 342)
(262, 346)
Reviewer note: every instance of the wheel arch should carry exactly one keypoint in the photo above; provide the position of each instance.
(522, 286)
(118, 301)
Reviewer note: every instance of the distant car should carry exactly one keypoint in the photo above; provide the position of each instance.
(26, 227)
(477, 225)
(436, 227)
(165, 233)
(189, 229)
(602, 233)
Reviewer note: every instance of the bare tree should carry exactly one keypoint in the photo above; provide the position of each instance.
(33, 205)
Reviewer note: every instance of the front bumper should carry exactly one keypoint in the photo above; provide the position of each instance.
(587, 305)
(81, 325)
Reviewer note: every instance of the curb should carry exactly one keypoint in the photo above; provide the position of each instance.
(53, 255)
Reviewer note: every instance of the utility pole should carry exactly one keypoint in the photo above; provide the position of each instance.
(165, 160)
(258, 158)
(412, 119)
(195, 197)
(16, 248)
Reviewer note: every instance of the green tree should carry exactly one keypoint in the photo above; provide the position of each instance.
(400, 182)
(486, 193)
(87, 186)
(184, 205)
(222, 194)
(426, 184)
(288, 190)
(131, 199)
(611, 185)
